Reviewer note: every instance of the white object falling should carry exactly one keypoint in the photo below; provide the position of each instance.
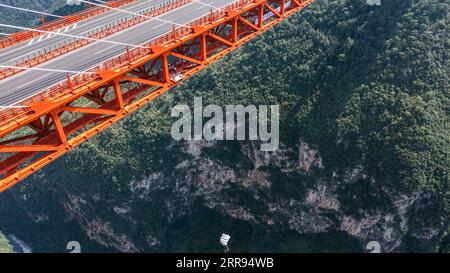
(224, 239)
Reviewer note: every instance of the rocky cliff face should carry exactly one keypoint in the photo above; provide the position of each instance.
(292, 197)
(364, 154)
(283, 191)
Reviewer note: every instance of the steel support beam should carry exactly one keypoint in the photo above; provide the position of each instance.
(53, 134)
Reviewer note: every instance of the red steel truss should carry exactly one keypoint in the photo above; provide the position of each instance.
(58, 120)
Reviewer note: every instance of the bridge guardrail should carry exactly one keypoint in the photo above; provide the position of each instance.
(97, 34)
(21, 36)
(124, 59)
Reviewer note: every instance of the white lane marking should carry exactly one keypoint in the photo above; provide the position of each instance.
(158, 26)
(98, 64)
(205, 5)
(45, 69)
(103, 50)
(59, 30)
(50, 35)
(35, 80)
(127, 9)
(128, 16)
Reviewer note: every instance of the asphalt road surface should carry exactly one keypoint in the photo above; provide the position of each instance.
(29, 83)
(12, 54)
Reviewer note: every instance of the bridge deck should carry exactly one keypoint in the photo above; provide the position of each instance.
(59, 120)
(29, 83)
(10, 55)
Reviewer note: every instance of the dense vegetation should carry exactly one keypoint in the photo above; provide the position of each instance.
(368, 85)
(23, 18)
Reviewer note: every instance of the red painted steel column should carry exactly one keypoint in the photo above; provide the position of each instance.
(118, 93)
(59, 128)
(203, 53)
(260, 15)
(165, 68)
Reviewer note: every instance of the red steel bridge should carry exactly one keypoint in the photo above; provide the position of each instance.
(69, 79)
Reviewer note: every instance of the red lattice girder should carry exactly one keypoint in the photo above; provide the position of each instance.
(55, 123)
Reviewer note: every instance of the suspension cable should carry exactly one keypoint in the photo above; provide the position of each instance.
(47, 70)
(133, 13)
(70, 35)
(205, 4)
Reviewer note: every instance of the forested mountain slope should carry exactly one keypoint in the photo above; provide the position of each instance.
(364, 96)
(26, 19)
